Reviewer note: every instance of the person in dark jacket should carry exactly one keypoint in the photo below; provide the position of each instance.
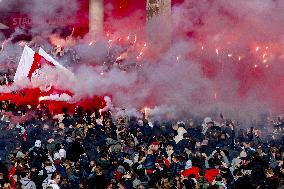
(74, 151)
(271, 180)
(241, 180)
(37, 155)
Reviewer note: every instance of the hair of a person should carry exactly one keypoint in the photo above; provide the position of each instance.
(54, 175)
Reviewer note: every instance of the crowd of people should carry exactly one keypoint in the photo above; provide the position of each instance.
(95, 150)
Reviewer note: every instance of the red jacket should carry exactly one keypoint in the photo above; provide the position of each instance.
(211, 173)
(190, 171)
(11, 175)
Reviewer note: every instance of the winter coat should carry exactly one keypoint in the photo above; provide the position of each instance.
(176, 168)
(181, 145)
(272, 182)
(211, 173)
(243, 182)
(27, 184)
(37, 156)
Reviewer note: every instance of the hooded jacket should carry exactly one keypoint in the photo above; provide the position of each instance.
(27, 183)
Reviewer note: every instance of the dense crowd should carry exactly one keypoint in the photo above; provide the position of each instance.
(94, 150)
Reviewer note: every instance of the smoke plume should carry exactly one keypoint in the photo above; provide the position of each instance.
(225, 56)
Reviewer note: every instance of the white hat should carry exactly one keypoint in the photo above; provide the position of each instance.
(243, 154)
(208, 120)
(38, 143)
(140, 122)
(188, 164)
(62, 153)
(136, 183)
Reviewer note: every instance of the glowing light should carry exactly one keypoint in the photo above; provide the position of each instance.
(257, 48)
(217, 51)
(128, 37)
(177, 58)
(264, 55)
(266, 47)
(73, 29)
(122, 56)
(100, 111)
(230, 55)
(146, 112)
(118, 58)
(265, 60)
(107, 34)
(109, 41)
(91, 43)
(145, 45)
(57, 46)
(102, 73)
(135, 39)
(140, 54)
(239, 58)
(255, 66)
(119, 39)
(202, 47)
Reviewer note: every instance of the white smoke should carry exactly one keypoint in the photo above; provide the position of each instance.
(209, 68)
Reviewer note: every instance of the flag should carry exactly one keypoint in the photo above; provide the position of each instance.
(3, 26)
(30, 66)
(56, 95)
(25, 64)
